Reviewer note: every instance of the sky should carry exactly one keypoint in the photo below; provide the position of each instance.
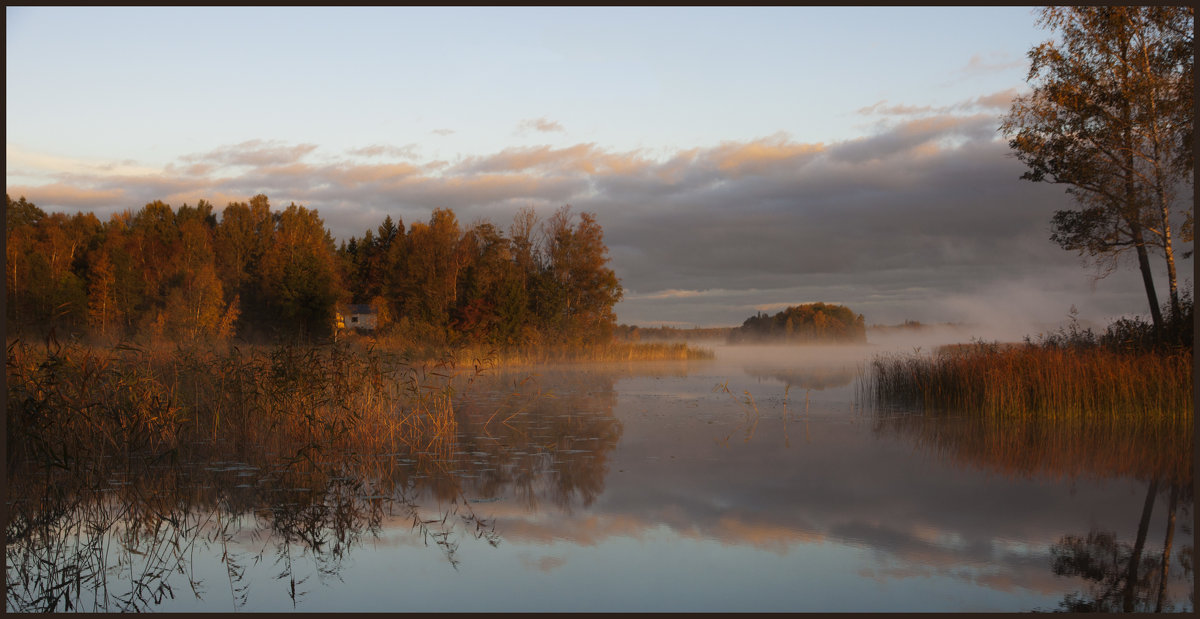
(738, 159)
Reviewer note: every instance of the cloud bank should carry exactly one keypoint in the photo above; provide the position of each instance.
(907, 222)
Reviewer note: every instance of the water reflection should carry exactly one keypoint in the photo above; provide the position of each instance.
(817, 378)
(548, 445)
(572, 489)
(124, 534)
(1121, 576)
(1118, 575)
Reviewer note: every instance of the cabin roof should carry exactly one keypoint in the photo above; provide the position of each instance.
(361, 308)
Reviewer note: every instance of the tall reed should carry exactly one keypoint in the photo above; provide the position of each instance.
(994, 380)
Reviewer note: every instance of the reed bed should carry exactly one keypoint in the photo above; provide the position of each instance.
(69, 404)
(1050, 382)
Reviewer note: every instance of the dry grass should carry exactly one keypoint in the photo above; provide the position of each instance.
(1044, 381)
(69, 404)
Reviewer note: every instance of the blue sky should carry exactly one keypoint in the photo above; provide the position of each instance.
(88, 82)
(762, 133)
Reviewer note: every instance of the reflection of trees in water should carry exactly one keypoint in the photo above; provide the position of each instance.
(1122, 576)
(131, 541)
(549, 442)
(120, 533)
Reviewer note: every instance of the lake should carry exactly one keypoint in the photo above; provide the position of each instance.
(758, 481)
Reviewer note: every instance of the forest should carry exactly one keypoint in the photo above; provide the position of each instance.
(259, 274)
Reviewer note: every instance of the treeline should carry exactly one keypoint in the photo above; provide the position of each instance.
(810, 322)
(255, 273)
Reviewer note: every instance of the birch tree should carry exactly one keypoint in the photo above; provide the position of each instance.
(1110, 116)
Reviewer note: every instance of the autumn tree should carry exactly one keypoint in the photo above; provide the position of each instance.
(429, 289)
(299, 276)
(578, 290)
(240, 241)
(21, 219)
(45, 269)
(1110, 117)
(490, 306)
(194, 303)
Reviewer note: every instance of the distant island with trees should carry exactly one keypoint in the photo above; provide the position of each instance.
(804, 323)
(810, 322)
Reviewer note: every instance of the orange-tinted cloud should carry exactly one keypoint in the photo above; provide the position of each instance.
(577, 159)
(774, 153)
(408, 151)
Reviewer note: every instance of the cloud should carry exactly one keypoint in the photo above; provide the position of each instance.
(998, 100)
(880, 109)
(577, 159)
(771, 154)
(18, 159)
(995, 101)
(540, 124)
(911, 134)
(254, 153)
(442, 132)
(674, 294)
(994, 62)
(408, 151)
(70, 196)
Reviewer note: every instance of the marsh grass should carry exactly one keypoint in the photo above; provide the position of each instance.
(1092, 384)
(69, 403)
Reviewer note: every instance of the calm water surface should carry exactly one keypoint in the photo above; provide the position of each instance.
(752, 482)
